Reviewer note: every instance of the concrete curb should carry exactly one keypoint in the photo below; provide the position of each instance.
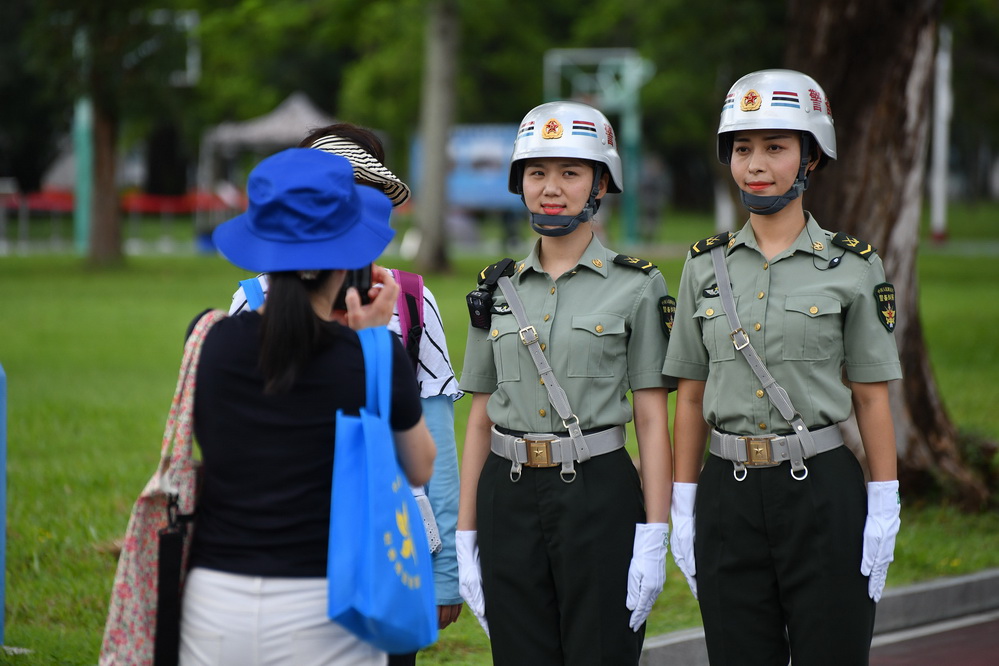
(900, 608)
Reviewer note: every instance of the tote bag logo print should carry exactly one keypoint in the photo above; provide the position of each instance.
(407, 572)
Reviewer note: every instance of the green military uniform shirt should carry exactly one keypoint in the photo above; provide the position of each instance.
(815, 309)
(602, 329)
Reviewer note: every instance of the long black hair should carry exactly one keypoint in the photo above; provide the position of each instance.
(291, 331)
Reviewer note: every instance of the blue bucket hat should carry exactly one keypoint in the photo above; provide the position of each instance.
(306, 213)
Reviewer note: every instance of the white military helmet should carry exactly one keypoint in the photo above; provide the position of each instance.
(776, 99)
(566, 129)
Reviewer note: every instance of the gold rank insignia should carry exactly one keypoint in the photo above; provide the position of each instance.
(634, 262)
(854, 244)
(818, 246)
(667, 308)
(491, 273)
(703, 246)
(552, 129)
(884, 298)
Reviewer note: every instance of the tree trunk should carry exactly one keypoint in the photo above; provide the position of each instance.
(436, 114)
(875, 62)
(105, 224)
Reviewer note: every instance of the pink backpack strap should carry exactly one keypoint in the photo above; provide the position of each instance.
(410, 308)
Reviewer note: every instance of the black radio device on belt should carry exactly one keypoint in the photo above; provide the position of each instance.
(480, 300)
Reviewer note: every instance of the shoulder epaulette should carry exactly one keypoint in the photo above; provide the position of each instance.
(854, 244)
(490, 274)
(709, 243)
(634, 262)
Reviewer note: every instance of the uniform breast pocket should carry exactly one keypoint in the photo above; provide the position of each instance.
(505, 338)
(715, 331)
(813, 327)
(597, 341)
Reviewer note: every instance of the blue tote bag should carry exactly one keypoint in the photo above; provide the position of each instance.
(379, 570)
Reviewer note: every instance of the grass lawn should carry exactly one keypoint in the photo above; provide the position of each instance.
(91, 360)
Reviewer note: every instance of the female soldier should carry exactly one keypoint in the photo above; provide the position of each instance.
(571, 558)
(784, 564)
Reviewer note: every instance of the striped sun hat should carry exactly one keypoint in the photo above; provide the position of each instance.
(366, 167)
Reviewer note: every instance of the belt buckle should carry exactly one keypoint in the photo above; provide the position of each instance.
(539, 450)
(759, 452)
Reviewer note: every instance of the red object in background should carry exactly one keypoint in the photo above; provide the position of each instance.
(140, 203)
(202, 200)
(46, 201)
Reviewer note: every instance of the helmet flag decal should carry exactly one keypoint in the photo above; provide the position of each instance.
(729, 102)
(584, 128)
(785, 98)
(552, 130)
(527, 129)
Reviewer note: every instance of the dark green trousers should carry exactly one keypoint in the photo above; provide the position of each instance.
(555, 560)
(778, 564)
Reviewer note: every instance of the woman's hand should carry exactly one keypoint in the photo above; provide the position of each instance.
(383, 294)
(447, 615)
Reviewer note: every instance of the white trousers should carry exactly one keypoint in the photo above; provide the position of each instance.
(233, 620)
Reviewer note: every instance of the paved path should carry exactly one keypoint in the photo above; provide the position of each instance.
(968, 641)
(946, 622)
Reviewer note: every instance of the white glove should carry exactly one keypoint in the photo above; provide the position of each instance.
(470, 574)
(682, 514)
(883, 507)
(647, 572)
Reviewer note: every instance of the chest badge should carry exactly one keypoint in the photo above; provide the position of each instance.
(711, 292)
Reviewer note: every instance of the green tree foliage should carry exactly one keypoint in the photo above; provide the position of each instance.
(33, 116)
(116, 53)
(361, 60)
(256, 53)
(975, 122)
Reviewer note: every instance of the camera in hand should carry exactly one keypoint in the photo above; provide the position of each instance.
(359, 278)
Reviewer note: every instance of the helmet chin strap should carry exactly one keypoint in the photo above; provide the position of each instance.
(761, 205)
(562, 225)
